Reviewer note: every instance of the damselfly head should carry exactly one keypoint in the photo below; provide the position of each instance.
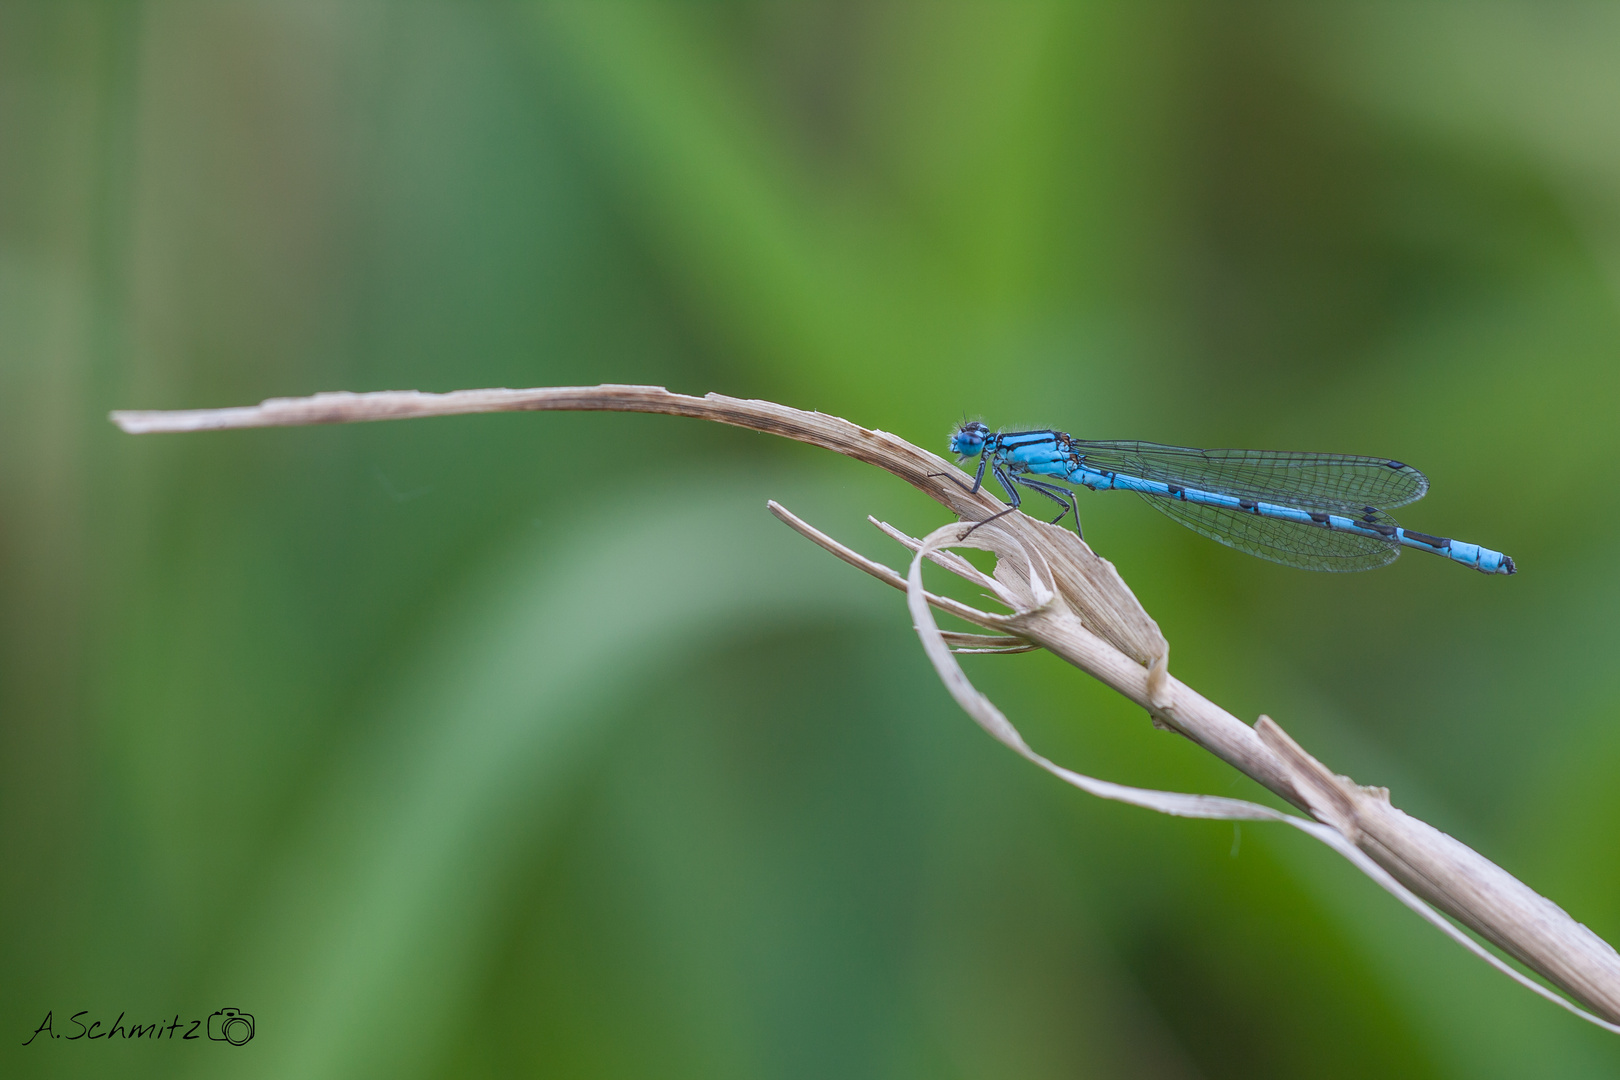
(968, 439)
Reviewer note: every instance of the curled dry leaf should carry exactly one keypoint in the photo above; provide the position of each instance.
(1349, 816)
(1338, 796)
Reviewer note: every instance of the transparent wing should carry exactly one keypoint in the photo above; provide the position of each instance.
(1342, 482)
(1308, 547)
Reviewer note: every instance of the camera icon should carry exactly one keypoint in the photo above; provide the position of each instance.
(231, 1025)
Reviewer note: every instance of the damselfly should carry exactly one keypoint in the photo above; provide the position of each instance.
(1315, 511)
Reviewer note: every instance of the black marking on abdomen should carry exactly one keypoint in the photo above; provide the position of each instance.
(1251, 507)
(1320, 518)
(1439, 543)
(1177, 492)
(1382, 530)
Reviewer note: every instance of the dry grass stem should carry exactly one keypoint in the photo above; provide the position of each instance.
(1062, 597)
(1334, 800)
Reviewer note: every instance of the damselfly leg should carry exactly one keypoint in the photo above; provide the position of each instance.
(1060, 495)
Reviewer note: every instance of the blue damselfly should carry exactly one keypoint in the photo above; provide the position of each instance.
(1314, 511)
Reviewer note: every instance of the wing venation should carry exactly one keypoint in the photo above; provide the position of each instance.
(1340, 482)
(1308, 547)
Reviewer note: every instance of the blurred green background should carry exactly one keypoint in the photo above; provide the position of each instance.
(531, 745)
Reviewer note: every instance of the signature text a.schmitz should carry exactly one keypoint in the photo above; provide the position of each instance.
(224, 1025)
